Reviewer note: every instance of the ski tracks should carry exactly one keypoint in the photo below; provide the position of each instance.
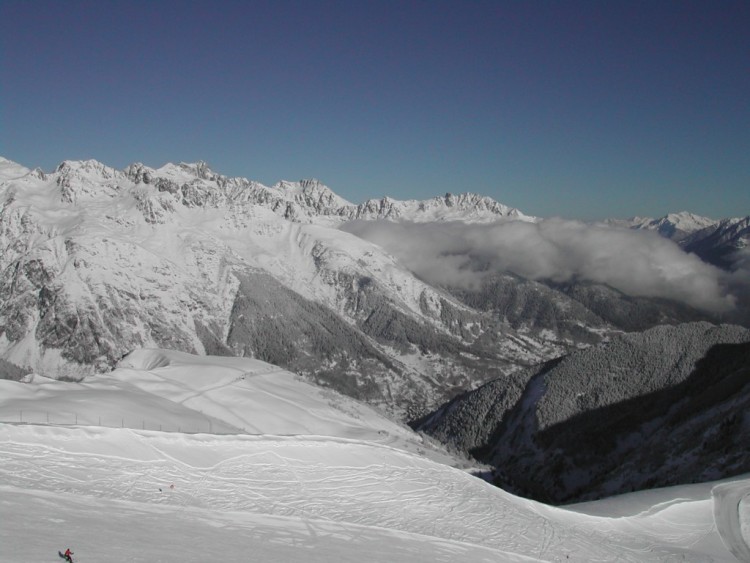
(335, 480)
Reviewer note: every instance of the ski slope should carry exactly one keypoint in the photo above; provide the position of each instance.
(295, 473)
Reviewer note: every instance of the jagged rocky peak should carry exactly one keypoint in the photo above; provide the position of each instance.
(139, 173)
(312, 184)
(318, 191)
(200, 169)
(313, 194)
(476, 201)
(195, 184)
(466, 206)
(187, 171)
(39, 174)
(86, 179)
(88, 167)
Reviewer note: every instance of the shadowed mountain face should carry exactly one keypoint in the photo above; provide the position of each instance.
(719, 244)
(663, 407)
(572, 310)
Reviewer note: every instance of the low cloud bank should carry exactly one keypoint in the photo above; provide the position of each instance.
(638, 263)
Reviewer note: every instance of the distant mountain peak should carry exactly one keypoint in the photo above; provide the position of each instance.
(449, 207)
(187, 170)
(675, 226)
(89, 165)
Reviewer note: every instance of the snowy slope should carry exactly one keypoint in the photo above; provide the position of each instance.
(326, 484)
(173, 391)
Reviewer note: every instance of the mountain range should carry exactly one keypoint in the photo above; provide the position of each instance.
(97, 262)
(715, 242)
(446, 313)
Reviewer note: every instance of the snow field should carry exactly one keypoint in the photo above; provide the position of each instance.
(300, 473)
(332, 480)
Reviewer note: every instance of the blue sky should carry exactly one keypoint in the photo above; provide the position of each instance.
(577, 109)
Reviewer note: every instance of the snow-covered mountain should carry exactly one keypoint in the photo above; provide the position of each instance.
(281, 471)
(675, 226)
(463, 207)
(717, 242)
(724, 244)
(97, 262)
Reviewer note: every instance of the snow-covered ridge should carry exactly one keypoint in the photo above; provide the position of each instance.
(675, 226)
(194, 184)
(722, 243)
(466, 206)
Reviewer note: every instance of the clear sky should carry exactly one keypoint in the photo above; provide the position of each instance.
(571, 108)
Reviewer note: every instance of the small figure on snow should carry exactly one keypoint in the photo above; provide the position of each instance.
(68, 555)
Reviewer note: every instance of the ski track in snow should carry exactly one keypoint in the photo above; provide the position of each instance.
(136, 533)
(318, 479)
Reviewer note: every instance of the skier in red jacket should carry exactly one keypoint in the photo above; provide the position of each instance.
(68, 555)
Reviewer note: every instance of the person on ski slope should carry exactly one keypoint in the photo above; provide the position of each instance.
(68, 555)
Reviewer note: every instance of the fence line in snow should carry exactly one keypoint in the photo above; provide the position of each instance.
(110, 420)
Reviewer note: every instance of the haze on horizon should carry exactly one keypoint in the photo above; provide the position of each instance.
(581, 109)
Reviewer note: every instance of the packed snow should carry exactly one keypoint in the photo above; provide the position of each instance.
(252, 463)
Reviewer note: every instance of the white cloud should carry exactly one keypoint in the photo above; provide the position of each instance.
(639, 263)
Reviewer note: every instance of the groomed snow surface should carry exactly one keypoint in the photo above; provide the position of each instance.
(278, 470)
